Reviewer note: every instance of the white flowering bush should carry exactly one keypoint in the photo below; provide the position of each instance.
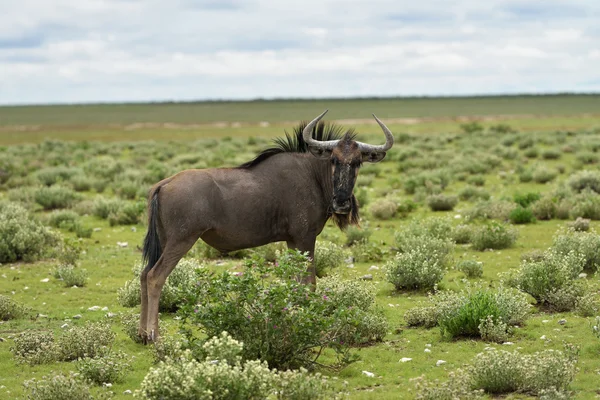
(500, 372)
(328, 257)
(587, 244)
(10, 309)
(62, 386)
(457, 386)
(546, 374)
(130, 323)
(369, 324)
(21, 236)
(419, 267)
(34, 347)
(179, 281)
(105, 367)
(222, 374)
(552, 280)
(426, 317)
(281, 320)
(89, 340)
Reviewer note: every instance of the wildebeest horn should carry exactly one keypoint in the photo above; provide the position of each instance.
(308, 139)
(389, 140)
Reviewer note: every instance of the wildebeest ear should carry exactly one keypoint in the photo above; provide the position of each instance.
(373, 157)
(319, 152)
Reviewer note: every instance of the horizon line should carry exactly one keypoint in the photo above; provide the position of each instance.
(302, 99)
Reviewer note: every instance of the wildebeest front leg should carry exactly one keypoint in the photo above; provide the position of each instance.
(306, 245)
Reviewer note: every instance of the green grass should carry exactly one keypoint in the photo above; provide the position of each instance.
(292, 110)
(109, 266)
(190, 121)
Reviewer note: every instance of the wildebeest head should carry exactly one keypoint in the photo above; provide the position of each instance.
(346, 156)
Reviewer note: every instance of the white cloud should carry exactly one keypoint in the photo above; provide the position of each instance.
(124, 50)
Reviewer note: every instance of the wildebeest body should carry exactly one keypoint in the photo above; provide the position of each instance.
(286, 194)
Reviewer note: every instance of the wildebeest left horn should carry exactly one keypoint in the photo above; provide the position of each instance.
(308, 139)
(389, 140)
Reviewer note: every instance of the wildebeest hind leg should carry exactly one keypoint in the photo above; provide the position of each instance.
(156, 277)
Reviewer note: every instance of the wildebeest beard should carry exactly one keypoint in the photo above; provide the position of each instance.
(343, 220)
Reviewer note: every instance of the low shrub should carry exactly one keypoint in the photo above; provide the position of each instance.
(466, 313)
(10, 309)
(62, 218)
(493, 236)
(222, 374)
(461, 234)
(457, 386)
(473, 193)
(370, 324)
(499, 210)
(471, 268)
(366, 251)
(544, 208)
(355, 235)
(129, 214)
(426, 317)
(130, 323)
(54, 197)
(71, 275)
(418, 267)
(328, 257)
(551, 154)
(583, 180)
(587, 157)
(34, 347)
(106, 367)
(586, 244)
(61, 386)
(89, 340)
(521, 215)
(53, 175)
(500, 372)
(173, 293)
(104, 207)
(551, 280)
(383, 209)
(526, 199)
(544, 174)
(441, 202)
(21, 236)
(546, 374)
(586, 205)
(473, 312)
(580, 225)
(279, 320)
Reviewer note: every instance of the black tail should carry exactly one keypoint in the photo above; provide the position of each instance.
(152, 249)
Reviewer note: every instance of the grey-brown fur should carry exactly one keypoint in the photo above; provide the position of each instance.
(282, 197)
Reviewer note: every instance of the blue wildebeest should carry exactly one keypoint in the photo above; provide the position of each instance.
(284, 194)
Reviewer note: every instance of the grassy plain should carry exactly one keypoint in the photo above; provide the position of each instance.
(110, 265)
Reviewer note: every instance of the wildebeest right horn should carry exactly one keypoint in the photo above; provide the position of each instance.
(308, 139)
(389, 140)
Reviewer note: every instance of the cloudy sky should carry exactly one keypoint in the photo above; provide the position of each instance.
(58, 51)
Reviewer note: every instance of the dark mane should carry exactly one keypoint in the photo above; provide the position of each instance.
(294, 143)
